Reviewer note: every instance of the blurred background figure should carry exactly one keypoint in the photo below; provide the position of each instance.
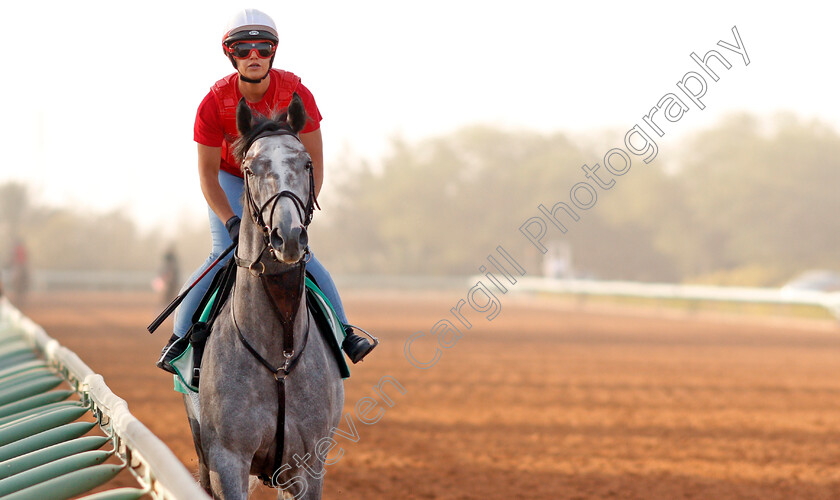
(169, 277)
(557, 261)
(18, 266)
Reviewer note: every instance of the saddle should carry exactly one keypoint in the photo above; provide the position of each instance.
(188, 365)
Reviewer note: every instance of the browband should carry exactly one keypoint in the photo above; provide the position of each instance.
(268, 133)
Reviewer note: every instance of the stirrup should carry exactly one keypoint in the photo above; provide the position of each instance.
(173, 349)
(357, 350)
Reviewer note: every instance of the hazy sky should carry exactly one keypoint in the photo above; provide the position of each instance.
(99, 98)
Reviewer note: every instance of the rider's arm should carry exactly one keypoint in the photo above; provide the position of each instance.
(209, 159)
(315, 147)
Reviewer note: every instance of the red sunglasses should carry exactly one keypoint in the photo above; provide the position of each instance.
(242, 50)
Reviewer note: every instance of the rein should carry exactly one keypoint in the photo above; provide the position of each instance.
(282, 284)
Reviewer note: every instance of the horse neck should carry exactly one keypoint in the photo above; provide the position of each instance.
(265, 306)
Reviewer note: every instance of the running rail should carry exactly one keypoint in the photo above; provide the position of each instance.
(149, 460)
(828, 300)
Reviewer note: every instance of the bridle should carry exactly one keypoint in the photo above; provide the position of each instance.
(305, 210)
(282, 283)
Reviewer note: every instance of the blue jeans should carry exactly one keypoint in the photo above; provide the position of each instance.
(233, 187)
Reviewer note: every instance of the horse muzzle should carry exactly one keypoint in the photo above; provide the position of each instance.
(291, 248)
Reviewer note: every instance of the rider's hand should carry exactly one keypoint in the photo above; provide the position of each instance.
(232, 226)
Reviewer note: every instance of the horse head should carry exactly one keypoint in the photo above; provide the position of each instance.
(279, 192)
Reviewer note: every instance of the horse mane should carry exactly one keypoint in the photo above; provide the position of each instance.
(259, 124)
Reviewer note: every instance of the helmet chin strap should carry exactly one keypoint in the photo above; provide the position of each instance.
(251, 80)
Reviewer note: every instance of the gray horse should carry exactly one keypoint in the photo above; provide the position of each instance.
(265, 360)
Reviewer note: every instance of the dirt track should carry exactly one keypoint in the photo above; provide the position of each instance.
(547, 401)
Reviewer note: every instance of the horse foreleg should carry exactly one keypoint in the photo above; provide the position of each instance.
(300, 487)
(228, 473)
(203, 472)
(204, 477)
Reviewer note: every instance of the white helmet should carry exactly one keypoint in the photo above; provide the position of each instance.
(250, 24)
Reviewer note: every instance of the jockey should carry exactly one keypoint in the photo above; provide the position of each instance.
(250, 42)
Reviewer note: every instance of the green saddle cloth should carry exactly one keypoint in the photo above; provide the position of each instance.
(321, 309)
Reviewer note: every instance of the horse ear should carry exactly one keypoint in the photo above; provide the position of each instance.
(296, 116)
(243, 117)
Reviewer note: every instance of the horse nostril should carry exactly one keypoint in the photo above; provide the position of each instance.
(299, 235)
(303, 239)
(275, 239)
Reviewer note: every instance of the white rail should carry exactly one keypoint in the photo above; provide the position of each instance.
(151, 461)
(830, 301)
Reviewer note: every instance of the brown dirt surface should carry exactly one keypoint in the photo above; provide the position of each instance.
(552, 399)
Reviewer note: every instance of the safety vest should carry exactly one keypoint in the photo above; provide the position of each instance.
(226, 90)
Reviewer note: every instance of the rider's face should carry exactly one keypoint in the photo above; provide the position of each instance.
(253, 66)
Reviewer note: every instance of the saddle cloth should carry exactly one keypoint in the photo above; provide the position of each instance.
(186, 378)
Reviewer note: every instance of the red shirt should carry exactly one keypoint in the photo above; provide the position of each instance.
(208, 123)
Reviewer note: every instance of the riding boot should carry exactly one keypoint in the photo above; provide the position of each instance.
(174, 348)
(356, 347)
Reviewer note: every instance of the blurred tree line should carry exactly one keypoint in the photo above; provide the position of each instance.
(61, 238)
(748, 201)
